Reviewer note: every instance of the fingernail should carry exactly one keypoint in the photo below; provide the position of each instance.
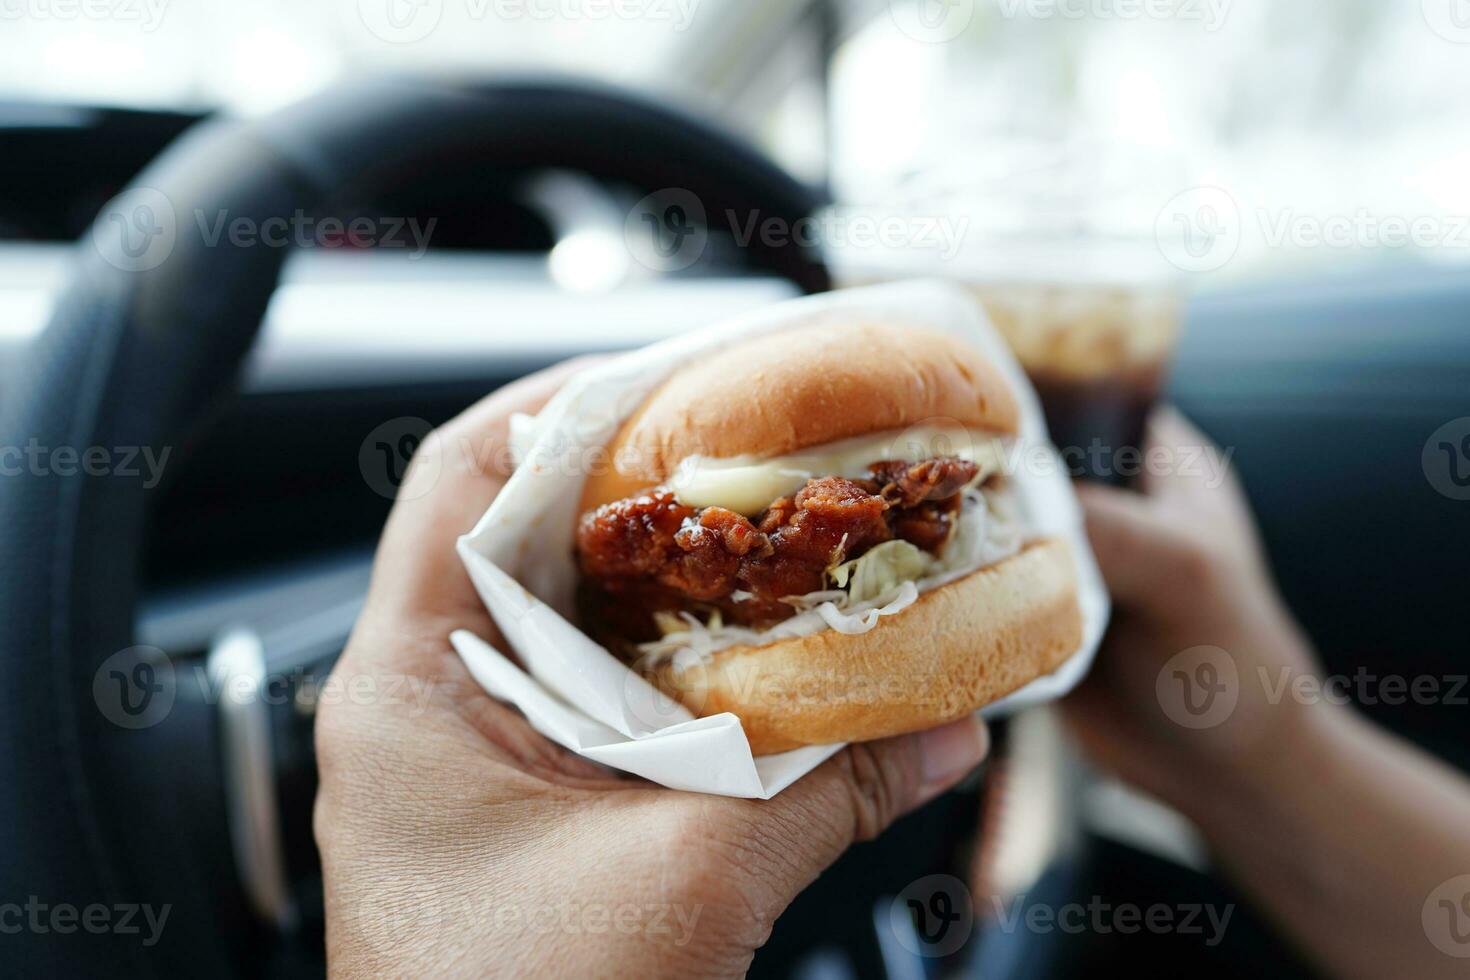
(950, 752)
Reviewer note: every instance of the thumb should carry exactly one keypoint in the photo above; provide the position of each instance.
(859, 792)
(1136, 546)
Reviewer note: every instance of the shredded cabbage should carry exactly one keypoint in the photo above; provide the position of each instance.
(881, 570)
(884, 581)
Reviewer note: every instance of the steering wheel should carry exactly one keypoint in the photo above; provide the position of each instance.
(106, 804)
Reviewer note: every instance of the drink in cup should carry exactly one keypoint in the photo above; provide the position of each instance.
(1093, 321)
(1098, 355)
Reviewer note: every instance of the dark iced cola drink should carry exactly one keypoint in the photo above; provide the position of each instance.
(1098, 356)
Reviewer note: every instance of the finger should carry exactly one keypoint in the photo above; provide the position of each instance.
(508, 734)
(487, 421)
(458, 471)
(1121, 729)
(1200, 480)
(1188, 461)
(1099, 712)
(1108, 736)
(858, 793)
(1135, 546)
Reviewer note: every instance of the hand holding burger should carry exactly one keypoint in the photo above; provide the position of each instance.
(456, 841)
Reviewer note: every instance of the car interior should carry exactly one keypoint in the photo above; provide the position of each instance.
(271, 374)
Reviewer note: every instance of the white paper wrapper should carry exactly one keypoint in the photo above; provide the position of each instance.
(520, 559)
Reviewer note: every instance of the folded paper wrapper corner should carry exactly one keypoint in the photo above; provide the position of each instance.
(519, 557)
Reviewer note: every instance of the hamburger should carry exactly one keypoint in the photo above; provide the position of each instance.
(814, 530)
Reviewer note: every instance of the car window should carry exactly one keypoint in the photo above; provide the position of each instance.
(1307, 137)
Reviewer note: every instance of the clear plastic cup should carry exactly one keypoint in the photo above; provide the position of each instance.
(1081, 287)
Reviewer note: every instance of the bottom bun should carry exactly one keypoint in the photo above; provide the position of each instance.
(956, 649)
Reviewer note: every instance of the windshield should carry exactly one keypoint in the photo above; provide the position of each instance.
(1335, 131)
(252, 57)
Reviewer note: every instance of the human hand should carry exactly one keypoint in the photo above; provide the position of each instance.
(455, 840)
(1187, 698)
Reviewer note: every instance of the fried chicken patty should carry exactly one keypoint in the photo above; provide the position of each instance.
(650, 553)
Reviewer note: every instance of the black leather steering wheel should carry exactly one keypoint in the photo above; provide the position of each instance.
(142, 357)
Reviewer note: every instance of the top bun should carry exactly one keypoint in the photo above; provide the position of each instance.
(815, 384)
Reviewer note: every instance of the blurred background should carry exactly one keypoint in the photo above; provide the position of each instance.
(1258, 210)
(1319, 110)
